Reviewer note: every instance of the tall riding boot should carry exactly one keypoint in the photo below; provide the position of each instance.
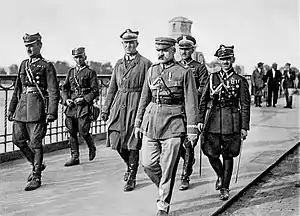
(37, 173)
(218, 168)
(228, 167)
(29, 154)
(74, 152)
(291, 102)
(133, 167)
(124, 153)
(187, 170)
(287, 100)
(91, 145)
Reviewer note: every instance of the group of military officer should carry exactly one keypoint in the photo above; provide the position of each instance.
(161, 108)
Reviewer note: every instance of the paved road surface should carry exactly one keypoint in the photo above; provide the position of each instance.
(96, 188)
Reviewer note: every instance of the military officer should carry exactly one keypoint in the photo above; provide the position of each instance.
(79, 90)
(121, 105)
(258, 83)
(226, 103)
(34, 103)
(167, 113)
(187, 45)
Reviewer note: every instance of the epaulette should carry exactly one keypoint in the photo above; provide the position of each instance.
(45, 60)
(154, 64)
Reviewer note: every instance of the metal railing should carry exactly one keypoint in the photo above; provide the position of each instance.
(56, 131)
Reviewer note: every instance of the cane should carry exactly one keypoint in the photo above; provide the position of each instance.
(238, 167)
(200, 157)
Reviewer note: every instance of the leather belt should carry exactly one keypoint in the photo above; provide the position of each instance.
(138, 89)
(168, 101)
(30, 89)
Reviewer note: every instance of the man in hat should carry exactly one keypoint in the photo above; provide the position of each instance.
(34, 103)
(289, 77)
(224, 117)
(258, 83)
(273, 78)
(187, 45)
(167, 114)
(121, 105)
(79, 90)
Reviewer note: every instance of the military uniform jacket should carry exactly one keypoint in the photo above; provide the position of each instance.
(79, 83)
(123, 97)
(257, 78)
(162, 121)
(289, 77)
(28, 105)
(200, 73)
(225, 103)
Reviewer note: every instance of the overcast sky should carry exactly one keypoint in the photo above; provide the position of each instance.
(260, 30)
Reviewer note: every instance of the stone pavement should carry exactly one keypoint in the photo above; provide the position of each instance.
(96, 188)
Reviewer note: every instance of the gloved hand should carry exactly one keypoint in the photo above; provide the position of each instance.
(10, 116)
(200, 127)
(70, 103)
(244, 134)
(50, 118)
(138, 133)
(104, 116)
(79, 101)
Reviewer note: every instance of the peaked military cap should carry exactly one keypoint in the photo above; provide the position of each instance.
(31, 39)
(288, 64)
(224, 51)
(164, 42)
(260, 64)
(186, 42)
(78, 51)
(129, 35)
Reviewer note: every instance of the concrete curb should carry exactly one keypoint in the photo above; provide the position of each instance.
(254, 181)
(17, 154)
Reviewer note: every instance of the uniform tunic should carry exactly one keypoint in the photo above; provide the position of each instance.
(175, 84)
(79, 83)
(257, 82)
(122, 101)
(224, 110)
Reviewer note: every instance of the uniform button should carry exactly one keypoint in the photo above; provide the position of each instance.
(123, 106)
(38, 82)
(124, 78)
(37, 77)
(222, 91)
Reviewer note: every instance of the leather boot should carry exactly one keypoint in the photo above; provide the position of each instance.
(256, 101)
(162, 213)
(259, 101)
(37, 173)
(74, 152)
(91, 145)
(133, 166)
(29, 178)
(228, 167)
(224, 194)
(218, 168)
(127, 172)
(187, 170)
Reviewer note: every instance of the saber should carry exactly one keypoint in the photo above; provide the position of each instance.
(239, 162)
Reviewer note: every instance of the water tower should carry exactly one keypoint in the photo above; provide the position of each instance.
(179, 26)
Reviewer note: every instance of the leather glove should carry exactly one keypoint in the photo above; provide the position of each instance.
(244, 134)
(79, 101)
(200, 127)
(10, 116)
(50, 118)
(138, 133)
(70, 103)
(104, 116)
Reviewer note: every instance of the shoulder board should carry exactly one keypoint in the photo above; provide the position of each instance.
(154, 64)
(45, 60)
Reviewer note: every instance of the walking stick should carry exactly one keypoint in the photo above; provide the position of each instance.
(239, 162)
(200, 157)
